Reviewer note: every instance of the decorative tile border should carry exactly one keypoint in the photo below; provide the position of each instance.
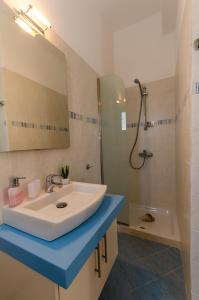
(81, 117)
(28, 125)
(156, 123)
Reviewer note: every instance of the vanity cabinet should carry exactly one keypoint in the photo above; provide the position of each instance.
(19, 282)
(90, 281)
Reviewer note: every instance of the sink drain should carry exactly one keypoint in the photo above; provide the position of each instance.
(61, 204)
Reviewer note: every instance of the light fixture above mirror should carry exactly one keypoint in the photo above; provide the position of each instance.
(32, 21)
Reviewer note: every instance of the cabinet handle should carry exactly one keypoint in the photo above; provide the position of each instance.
(105, 254)
(98, 269)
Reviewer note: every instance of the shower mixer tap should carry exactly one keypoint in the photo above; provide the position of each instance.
(149, 124)
(144, 91)
(146, 154)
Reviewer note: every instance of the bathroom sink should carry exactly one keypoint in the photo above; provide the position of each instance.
(52, 215)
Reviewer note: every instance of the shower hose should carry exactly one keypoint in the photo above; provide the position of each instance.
(136, 140)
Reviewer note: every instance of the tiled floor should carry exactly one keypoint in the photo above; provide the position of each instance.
(145, 270)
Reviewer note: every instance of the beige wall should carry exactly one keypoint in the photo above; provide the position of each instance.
(187, 142)
(154, 185)
(84, 148)
(195, 159)
(144, 51)
(183, 131)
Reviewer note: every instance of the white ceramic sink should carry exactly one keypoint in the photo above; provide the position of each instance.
(42, 217)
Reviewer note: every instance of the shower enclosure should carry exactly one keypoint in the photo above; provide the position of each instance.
(114, 152)
(138, 152)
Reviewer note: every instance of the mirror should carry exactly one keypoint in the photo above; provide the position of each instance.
(33, 91)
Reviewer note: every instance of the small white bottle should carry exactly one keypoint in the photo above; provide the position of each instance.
(34, 188)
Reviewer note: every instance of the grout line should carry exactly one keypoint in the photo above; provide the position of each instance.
(171, 271)
(141, 286)
(158, 252)
(153, 254)
(150, 256)
(155, 280)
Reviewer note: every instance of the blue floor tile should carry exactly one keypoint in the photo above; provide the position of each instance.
(179, 272)
(175, 286)
(152, 291)
(162, 262)
(166, 288)
(127, 276)
(145, 270)
(131, 248)
(175, 253)
(136, 275)
(117, 286)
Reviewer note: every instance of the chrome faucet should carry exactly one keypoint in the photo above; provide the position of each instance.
(51, 182)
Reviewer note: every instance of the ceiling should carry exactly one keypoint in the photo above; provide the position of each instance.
(119, 14)
(116, 14)
(87, 25)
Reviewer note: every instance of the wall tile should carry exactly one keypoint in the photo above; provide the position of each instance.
(183, 132)
(158, 175)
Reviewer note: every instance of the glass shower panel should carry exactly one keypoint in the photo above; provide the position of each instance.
(114, 137)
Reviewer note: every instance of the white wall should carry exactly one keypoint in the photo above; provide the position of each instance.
(80, 25)
(186, 146)
(194, 157)
(142, 51)
(180, 14)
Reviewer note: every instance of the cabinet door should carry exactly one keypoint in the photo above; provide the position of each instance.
(18, 282)
(88, 285)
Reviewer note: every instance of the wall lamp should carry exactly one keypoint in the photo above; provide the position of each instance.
(32, 21)
(120, 100)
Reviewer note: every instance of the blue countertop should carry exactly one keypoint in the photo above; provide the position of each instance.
(62, 259)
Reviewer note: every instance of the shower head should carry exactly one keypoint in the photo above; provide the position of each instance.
(137, 81)
(140, 86)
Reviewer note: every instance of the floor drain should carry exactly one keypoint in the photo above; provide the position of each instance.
(142, 227)
(148, 218)
(61, 204)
